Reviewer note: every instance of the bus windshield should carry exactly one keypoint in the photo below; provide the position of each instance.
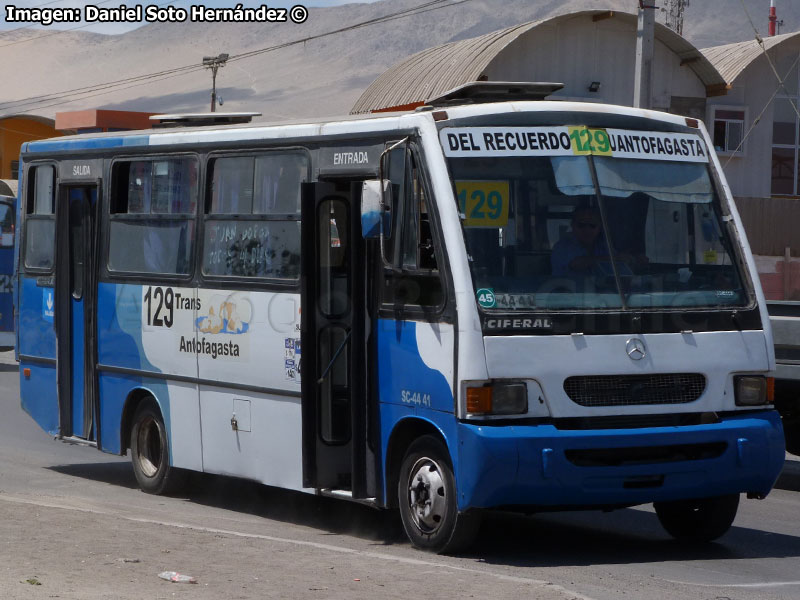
(594, 232)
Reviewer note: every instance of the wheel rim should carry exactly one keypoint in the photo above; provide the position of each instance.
(148, 447)
(427, 495)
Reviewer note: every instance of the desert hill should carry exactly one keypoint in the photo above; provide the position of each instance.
(319, 77)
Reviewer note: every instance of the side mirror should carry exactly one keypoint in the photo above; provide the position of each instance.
(376, 196)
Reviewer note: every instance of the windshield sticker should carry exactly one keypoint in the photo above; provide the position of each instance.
(572, 141)
(483, 203)
(486, 297)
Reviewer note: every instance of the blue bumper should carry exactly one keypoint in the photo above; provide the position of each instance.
(544, 466)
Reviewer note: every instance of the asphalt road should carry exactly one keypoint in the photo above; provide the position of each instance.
(74, 525)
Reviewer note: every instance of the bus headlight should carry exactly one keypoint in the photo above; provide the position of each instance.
(750, 390)
(498, 399)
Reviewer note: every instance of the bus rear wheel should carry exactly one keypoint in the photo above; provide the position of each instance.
(426, 493)
(698, 520)
(150, 451)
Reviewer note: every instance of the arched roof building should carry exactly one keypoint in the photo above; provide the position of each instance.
(577, 49)
(755, 129)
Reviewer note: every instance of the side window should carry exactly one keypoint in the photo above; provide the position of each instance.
(7, 220)
(40, 219)
(728, 129)
(252, 221)
(415, 278)
(153, 205)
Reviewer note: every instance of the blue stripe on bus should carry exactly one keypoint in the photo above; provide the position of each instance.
(56, 145)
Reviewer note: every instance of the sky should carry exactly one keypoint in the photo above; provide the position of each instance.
(116, 28)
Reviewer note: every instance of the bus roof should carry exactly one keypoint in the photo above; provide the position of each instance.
(318, 127)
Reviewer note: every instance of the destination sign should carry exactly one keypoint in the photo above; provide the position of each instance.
(572, 141)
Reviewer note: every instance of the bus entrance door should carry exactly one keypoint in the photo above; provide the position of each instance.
(334, 362)
(75, 309)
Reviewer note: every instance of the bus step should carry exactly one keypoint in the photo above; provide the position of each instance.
(76, 441)
(346, 495)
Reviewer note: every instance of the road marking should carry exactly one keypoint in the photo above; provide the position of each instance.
(327, 547)
(765, 584)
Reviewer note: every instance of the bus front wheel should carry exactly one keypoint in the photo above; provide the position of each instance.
(698, 520)
(150, 451)
(427, 497)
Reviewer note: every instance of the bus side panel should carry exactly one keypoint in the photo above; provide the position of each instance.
(6, 296)
(38, 394)
(415, 364)
(266, 444)
(126, 341)
(37, 336)
(415, 374)
(37, 340)
(248, 358)
(178, 403)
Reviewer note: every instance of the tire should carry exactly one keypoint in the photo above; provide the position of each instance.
(150, 452)
(791, 431)
(426, 493)
(699, 520)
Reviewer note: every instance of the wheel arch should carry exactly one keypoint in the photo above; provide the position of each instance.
(135, 398)
(403, 435)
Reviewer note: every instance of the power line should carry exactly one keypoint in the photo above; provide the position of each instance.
(86, 91)
(177, 70)
(100, 86)
(757, 120)
(417, 10)
(124, 87)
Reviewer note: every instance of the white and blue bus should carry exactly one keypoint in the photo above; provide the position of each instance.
(491, 302)
(8, 219)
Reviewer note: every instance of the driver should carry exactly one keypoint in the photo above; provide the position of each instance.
(578, 252)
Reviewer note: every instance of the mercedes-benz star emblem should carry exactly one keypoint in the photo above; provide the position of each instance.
(635, 349)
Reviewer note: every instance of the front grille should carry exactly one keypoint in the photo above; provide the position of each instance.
(635, 421)
(632, 390)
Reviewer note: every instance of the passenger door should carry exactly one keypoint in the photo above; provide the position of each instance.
(75, 314)
(335, 403)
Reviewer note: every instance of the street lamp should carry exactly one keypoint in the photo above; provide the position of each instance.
(214, 63)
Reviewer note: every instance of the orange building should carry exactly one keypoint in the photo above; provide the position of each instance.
(92, 121)
(15, 130)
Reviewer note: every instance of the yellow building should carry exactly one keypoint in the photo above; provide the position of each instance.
(15, 130)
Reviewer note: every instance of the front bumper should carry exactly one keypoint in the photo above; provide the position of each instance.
(542, 466)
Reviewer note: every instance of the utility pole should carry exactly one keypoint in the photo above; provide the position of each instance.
(214, 63)
(774, 23)
(674, 14)
(645, 44)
